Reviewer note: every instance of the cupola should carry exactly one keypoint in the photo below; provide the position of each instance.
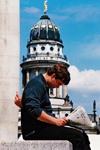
(45, 44)
(45, 29)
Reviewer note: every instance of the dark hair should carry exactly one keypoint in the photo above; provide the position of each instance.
(61, 73)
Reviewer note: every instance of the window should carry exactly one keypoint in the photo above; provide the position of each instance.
(51, 48)
(58, 49)
(57, 35)
(34, 48)
(42, 48)
(51, 91)
(36, 33)
(50, 32)
(43, 34)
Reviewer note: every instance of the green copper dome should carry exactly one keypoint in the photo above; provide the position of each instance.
(45, 29)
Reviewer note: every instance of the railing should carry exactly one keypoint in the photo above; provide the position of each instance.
(44, 56)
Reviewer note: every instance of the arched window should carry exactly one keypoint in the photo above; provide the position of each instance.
(50, 32)
(43, 32)
(34, 48)
(58, 49)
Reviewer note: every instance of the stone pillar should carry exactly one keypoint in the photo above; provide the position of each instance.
(36, 73)
(9, 68)
(27, 76)
(65, 90)
(58, 92)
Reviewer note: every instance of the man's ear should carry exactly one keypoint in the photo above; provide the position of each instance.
(53, 75)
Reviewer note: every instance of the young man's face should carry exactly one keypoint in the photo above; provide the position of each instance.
(54, 83)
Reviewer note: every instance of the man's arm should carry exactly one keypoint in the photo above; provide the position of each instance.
(44, 117)
(52, 120)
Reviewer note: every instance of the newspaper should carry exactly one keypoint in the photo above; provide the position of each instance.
(79, 117)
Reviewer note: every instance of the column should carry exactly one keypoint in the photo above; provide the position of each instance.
(58, 92)
(65, 90)
(27, 76)
(9, 68)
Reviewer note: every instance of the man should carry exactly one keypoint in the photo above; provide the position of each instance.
(37, 120)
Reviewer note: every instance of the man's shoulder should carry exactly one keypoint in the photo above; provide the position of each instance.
(36, 81)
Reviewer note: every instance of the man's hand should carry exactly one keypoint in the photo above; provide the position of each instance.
(52, 120)
(17, 100)
(61, 121)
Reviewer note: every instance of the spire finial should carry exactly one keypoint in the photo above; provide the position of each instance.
(45, 7)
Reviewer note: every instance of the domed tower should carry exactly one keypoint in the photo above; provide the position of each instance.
(44, 49)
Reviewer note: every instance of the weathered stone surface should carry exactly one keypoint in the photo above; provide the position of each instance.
(36, 145)
(9, 68)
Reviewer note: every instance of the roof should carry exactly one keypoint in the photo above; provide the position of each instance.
(45, 29)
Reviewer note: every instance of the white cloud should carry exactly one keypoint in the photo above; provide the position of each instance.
(84, 12)
(84, 88)
(32, 10)
(86, 82)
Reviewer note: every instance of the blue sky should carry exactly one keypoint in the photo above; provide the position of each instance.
(79, 24)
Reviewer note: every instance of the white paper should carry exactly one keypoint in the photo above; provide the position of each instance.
(79, 116)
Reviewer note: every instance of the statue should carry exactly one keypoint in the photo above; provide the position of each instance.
(94, 105)
(45, 6)
(94, 111)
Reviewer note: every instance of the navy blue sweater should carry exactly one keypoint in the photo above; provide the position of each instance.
(35, 99)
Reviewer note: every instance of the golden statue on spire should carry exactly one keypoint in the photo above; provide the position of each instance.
(45, 6)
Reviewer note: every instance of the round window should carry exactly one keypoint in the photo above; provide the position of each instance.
(42, 48)
(51, 48)
(34, 48)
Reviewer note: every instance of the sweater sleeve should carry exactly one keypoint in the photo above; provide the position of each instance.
(32, 100)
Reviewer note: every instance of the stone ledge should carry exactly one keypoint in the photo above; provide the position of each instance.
(36, 145)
